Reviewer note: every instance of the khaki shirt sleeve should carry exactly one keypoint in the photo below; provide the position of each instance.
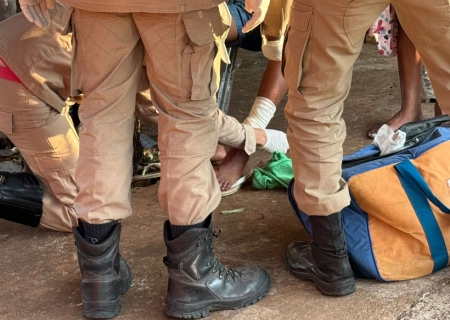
(274, 24)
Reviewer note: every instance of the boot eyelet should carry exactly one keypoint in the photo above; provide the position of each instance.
(214, 270)
(221, 277)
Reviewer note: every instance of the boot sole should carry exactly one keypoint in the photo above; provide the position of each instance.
(179, 310)
(341, 288)
(105, 309)
(102, 309)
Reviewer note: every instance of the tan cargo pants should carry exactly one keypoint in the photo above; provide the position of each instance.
(49, 144)
(324, 38)
(181, 60)
(231, 132)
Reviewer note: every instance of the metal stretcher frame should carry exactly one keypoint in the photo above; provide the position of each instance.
(226, 80)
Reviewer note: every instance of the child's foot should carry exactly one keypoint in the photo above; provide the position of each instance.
(231, 168)
(220, 153)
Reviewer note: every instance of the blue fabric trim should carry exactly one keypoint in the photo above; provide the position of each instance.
(304, 218)
(359, 241)
(419, 193)
(368, 150)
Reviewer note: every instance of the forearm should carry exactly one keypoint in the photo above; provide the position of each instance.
(273, 86)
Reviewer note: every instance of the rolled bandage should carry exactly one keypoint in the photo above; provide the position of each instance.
(261, 113)
(272, 50)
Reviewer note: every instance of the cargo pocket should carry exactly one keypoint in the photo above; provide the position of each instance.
(6, 122)
(358, 18)
(297, 36)
(203, 28)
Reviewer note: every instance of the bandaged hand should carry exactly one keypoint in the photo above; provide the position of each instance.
(259, 10)
(36, 11)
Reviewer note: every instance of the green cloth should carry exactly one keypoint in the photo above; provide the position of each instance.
(276, 173)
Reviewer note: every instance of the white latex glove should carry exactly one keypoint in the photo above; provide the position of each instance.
(389, 141)
(37, 11)
(259, 10)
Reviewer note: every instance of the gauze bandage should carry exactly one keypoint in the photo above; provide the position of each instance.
(261, 113)
(272, 50)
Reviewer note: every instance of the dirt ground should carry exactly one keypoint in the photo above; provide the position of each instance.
(39, 274)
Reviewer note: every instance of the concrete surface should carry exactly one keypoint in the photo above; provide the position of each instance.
(39, 275)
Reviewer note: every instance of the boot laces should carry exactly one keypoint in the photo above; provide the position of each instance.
(216, 265)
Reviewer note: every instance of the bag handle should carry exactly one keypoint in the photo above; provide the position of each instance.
(419, 193)
(410, 173)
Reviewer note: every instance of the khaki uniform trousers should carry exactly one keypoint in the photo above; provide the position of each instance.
(231, 132)
(48, 142)
(324, 39)
(181, 62)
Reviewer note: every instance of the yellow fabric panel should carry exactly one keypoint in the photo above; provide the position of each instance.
(399, 244)
(277, 16)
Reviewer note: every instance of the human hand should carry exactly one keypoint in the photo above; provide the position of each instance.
(259, 9)
(37, 11)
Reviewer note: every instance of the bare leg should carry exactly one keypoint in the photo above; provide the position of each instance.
(220, 153)
(410, 73)
(437, 109)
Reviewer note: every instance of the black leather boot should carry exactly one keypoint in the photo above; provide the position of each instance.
(198, 283)
(105, 274)
(325, 261)
(20, 198)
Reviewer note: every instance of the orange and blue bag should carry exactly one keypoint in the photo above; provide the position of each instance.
(397, 225)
